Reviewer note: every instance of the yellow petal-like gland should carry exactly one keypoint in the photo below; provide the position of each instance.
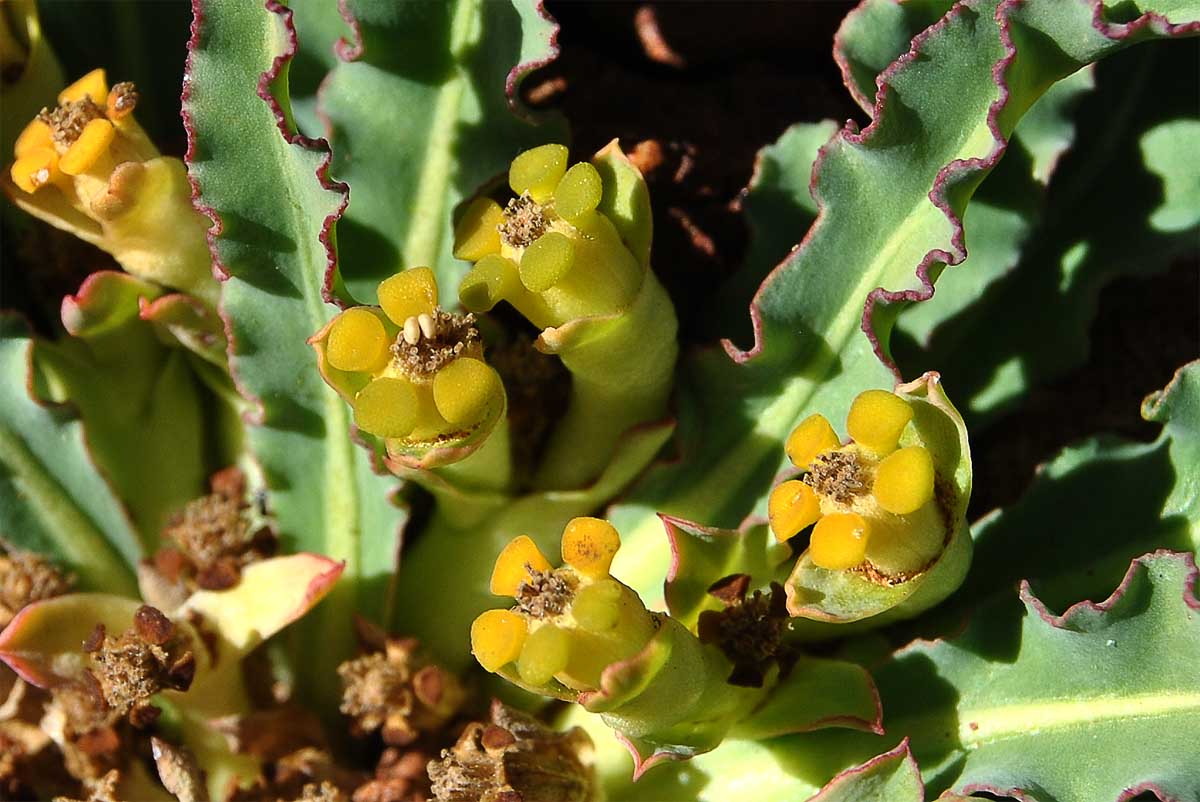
(95, 140)
(589, 545)
(408, 294)
(34, 169)
(463, 389)
(839, 541)
(877, 418)
(34, 135)
(904, 480)
(477, 233)
(810, 437)
(597, 607)
(513, 564)
(93, 85)
(579, 191)
(546, 261)
(793, 506)
(357, 341)
(538, 171)
(386, 407)
(546, 652)
(493, 279)
(497, 637)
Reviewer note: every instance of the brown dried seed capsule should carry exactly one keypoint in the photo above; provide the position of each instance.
(152, 626)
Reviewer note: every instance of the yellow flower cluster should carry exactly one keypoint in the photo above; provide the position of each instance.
(550, 252)
(409, 369)
(569, 623)
(870, 500)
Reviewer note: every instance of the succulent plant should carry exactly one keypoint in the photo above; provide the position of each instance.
(359, 386)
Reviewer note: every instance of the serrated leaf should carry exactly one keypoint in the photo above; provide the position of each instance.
(52, 499)
(1133, 145)
(273, 209)
(810, 354)
(419, 120)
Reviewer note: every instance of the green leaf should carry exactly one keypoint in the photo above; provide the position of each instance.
(1127, 498)
(1051, 262)
(420, 121)
(810, 354)
(890, 777)
(273, 207)
(149, 438)
(52, 498)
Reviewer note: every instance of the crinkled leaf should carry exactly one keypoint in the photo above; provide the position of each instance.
(419, 120)
(931, 143)
(52, 498)
(1118, 204)
(273, 209)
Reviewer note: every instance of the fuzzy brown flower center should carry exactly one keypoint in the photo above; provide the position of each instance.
(448, 335)
(68, 120)
(839, 475)
(545, 593)
(524, 222)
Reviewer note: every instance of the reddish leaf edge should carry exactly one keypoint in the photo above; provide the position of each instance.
(954, 171)
(901, 753)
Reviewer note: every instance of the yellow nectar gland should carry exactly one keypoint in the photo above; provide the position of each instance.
(877, 418)
(497, 637)
(493, 278)
(839, 541)
(579, 192)
(95, 140)
(34, 169)
(410, 293)
(386, 407)
(812, 436)
(35, 135)
(513, 564)
(94, 86)
(597, 607)
(546, 261)
(538, 171)
(358, 341)
(478, 232)
(463, 389)
(589, 545)
(545, 653)
(904, 480)
(792, 507)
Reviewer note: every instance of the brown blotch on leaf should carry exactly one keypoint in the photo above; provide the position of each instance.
(545, 593)
(515, 758)
(398, 692)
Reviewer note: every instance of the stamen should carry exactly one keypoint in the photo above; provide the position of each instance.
(513, 566)
(545, 654)
(876, 420)
(537, 171)
(578, 192)
(387, 407)
(497, 637)
(421, 355)
(839, 541)
(92, 143)
(793, 506)
(524, 222)
(427, 326)
(93, 86)
(838, 475)
(357, 341)
(904, 480)
(463, 390)
(546, 261)
(812, 436)
(478, 232)
(408, 294)
(589, 545)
